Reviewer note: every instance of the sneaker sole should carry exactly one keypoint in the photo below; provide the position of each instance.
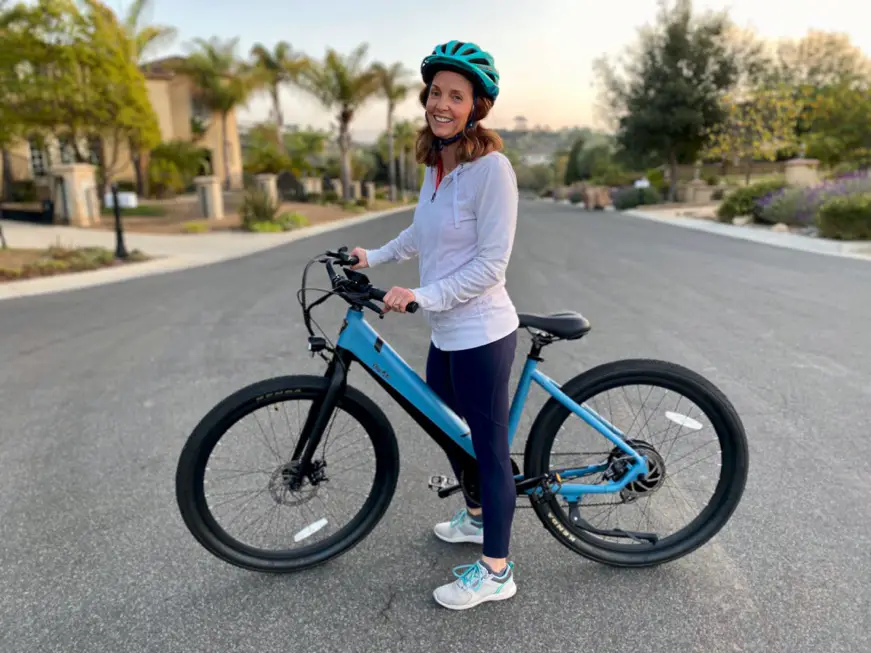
(502, 596)
(462, 539)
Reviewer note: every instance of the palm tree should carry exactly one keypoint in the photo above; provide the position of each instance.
(277, 67)
(145, 38)
(394, 89)
(342, 82)
(405, 133)
(222, 82)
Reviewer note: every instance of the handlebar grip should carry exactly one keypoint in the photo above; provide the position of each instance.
(378, 294)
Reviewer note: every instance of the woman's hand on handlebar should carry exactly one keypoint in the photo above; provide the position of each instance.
(398, 299)
(363, 260)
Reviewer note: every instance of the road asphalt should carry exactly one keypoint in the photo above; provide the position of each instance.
(100, 387)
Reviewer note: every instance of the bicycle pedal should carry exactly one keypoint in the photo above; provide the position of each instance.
(440, 482)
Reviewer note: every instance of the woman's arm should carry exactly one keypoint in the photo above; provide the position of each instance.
(401, 248)
(496, 210)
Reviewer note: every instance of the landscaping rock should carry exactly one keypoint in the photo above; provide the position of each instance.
(780, 227)
(742, 220)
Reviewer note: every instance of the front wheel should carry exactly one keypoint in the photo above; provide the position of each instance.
(278, 520)
(684, 498)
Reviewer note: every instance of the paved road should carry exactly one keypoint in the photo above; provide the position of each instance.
(99, 389)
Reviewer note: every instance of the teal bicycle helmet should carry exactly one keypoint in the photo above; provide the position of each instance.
(468, 60)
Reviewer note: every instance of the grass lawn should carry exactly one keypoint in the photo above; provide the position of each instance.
(18, 264)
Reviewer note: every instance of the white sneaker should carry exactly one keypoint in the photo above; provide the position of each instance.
(460, 529)
(475, 585)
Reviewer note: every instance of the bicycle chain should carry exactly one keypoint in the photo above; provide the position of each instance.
(585, 453)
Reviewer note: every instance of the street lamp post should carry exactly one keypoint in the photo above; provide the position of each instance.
(120, 249)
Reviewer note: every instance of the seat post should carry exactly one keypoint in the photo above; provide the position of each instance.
(539, 341)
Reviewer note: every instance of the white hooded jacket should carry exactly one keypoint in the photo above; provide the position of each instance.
(462, 234)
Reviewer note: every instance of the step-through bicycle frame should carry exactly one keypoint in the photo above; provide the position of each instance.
(358, 341)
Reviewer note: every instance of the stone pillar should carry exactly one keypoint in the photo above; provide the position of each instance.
(802, 172)
(699, 192)
(337, 186)
(209, 197)
(75, 199)
(356, 190)
(369, 190)
(269, 183)
(313, 185)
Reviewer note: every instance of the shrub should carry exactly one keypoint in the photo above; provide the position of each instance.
(800, 206)
(174, 164)
(743, 200)
(712, 180)
(194, 227)
(629, 198)
(264, 226)
(846, 217)
(289, 221)
(656, 177)
(330, 196)
(256, 207)
(363, 201)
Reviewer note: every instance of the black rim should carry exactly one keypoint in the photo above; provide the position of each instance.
(708, 406)
(323, 546)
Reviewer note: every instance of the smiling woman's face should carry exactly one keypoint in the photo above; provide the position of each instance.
(449, 103)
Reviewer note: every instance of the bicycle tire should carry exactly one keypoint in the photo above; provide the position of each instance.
(723, 417)
(190, 494)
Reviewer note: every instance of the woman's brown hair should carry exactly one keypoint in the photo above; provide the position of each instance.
(475, 142)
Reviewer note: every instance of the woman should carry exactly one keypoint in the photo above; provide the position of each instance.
(463, 233)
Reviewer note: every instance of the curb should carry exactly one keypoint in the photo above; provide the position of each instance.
(163, 264)
(860, 251)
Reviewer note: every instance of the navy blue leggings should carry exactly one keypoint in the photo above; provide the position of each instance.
(474, 383)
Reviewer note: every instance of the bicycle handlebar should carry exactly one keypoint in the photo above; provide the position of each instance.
(369, 291)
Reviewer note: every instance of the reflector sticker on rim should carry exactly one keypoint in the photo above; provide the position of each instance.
(683, 420)
(310, 530)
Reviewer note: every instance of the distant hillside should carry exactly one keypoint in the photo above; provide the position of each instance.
(538, 146)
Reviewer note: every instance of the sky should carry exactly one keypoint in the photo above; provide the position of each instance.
(544, 49)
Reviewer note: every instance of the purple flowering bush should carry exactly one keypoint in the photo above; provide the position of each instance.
(800, 207)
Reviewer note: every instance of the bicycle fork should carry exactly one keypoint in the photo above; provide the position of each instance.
(320, 413)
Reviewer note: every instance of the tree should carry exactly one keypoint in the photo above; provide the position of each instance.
(222, 82)
(342, 83)
(405, 132)
(841, 125)
(669, 94)
(571, 173)
(819, 60)
(69, 74)
(144, 39)
(274, 69)
(756, 126)
(394, 89)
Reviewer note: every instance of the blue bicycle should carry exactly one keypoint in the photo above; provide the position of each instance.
(304, 481)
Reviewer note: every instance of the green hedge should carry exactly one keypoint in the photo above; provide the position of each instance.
(629, 198)
(846, 218)
(743, 200)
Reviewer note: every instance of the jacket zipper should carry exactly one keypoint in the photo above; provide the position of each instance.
(445, 181)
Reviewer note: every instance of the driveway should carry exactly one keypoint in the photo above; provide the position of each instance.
(100, 387)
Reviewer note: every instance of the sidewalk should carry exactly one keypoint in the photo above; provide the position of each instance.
(860, 250)
(169, 252)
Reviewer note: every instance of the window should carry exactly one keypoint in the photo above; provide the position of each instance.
(40, 161)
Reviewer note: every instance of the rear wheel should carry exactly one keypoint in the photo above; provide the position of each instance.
(672, 492)
(303, 520)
